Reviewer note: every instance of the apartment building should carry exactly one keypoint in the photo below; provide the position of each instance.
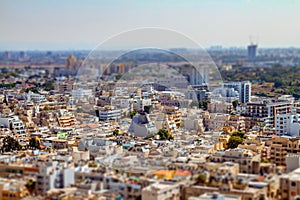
(220, 107)
(237, 121)
(267, 112)
(162, 190)
(173, 115)
(288, 124)
(13, 123)
(67, 120)
(54, 175)
(36, 98)
(292, 162)
(226, 189)
(81, 93)
(280, 147)
(243, 88)
(109, 114)
(12, 189)
(249, 163)
(289, 185)
(217, 120)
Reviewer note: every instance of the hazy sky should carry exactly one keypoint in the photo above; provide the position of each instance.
(74, 24)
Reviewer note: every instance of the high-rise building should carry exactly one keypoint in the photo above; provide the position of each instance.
(243, 88)
(245, 93)
(196, 76)
(252, 50)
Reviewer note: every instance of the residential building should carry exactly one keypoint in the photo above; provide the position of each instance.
(81, 93)
(289, 185)
(243, 89)
(292, 162)
(288, 124)
(36, 98)
(280, 147)
(162, 190)
(13, 123)
(109, 114)
(249, 163)
(54, 175)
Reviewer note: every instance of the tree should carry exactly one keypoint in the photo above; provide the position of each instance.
(30, 185)
(10, 144)
(165, 134)
(49, 85)
(234, 142)
(116, 132)
(148, 109)
(240, 134)
(32, 89)
(34, 143)
(132, 113)
(119, 76)
(235, 103)
(46, 108)
(201, 178)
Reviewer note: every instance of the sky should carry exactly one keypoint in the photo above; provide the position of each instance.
(83, 24)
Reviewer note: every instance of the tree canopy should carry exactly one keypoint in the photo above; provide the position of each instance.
(34, 143)
(10, 144)
(165, 134)
(236, 139)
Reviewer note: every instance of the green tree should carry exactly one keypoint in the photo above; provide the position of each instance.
(116, 132)
(234, 142)
(201, 178)
(49, 85)
(240, 134)
(32, 89)
(132, 113)
(165, 134)
(30, 185)
(119, 76)
(10, 144)
(34, 143)
(148, 109)
(235, 103)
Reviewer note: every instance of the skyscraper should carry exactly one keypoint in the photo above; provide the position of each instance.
(252, 49)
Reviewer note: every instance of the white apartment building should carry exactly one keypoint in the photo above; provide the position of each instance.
(54, 175)
(36, 98)
(288, 124)
(13, 123)
(81, 93)
(114, 114)
(243, 89)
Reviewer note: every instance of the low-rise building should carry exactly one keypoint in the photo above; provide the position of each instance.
(289, 185)
(162, 190)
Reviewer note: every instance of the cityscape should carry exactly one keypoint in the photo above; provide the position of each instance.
(147, 112)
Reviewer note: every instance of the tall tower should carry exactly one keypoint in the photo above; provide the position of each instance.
(71, 62)
(245, 93)
(252, 48)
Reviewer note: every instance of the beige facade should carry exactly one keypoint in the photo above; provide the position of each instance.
(289, 185)
(162, 191)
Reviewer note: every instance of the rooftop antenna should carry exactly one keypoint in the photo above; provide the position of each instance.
(250, 39)
(253, 40)
(257, 40)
